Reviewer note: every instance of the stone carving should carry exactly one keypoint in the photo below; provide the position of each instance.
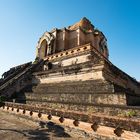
(74, 62)
(60, 64)
(47, 66)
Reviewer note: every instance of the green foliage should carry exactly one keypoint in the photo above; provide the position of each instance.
(36, 60)
(131, 113)
(84, 30)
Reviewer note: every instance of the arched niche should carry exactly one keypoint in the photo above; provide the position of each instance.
(45, 45)
(43, 49)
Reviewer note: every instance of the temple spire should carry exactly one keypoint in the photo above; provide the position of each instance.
(83, 23)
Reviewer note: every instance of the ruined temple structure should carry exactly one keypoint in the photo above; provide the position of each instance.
(72, 71)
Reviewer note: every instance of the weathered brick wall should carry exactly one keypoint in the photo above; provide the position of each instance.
(81, 98)
(77, 92)
(111, 110)
(114, 74)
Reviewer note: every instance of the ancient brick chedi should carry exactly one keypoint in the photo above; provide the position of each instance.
(71, 71)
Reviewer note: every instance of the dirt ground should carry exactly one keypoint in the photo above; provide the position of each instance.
(13, 127)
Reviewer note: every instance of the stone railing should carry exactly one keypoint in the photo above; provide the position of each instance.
(28, 68)
(69, 52)
(15, 72)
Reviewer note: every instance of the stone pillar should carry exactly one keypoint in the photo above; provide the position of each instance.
(54, 43)
(64, 38)
(78, 37)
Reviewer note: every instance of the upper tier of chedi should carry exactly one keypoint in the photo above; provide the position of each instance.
(84, 23)
(81, 33)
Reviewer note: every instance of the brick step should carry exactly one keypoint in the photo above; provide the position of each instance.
(72, 87)
(93, 82)
(98, 98)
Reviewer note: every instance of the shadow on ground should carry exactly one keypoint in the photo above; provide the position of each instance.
(46, 131)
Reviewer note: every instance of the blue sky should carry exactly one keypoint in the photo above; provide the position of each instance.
(22, 22)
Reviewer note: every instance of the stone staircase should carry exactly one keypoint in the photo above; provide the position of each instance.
(18, 80)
